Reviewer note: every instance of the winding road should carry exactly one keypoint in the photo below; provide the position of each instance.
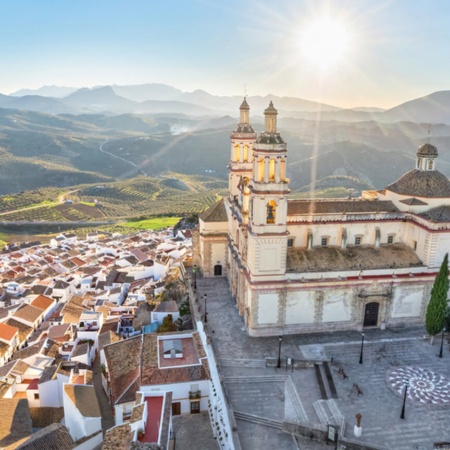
(122, 159)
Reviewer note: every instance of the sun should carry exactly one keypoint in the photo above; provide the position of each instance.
(324, 43)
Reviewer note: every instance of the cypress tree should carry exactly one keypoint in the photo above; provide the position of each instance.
(437, 308)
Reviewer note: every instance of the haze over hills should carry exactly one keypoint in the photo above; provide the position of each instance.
(153, 98)
(117, 132)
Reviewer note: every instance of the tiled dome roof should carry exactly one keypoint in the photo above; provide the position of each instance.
(422, 183)
(427, 150)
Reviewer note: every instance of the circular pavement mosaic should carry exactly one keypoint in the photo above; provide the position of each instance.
(425, 386)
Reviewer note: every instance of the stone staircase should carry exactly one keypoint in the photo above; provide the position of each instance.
(328, 412)
(292, 394)
(258, 420)
(256, 379)
(243, 363)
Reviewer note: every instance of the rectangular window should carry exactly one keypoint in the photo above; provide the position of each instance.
(36, 396)
(290, 242)
(415, 245)
(324, 241)
(357, 240)
(390, 239)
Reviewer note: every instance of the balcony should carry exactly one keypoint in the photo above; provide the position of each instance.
(195, 395)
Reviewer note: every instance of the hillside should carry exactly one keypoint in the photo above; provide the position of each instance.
(172, 195)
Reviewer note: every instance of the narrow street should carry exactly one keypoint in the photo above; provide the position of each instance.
(103, 402)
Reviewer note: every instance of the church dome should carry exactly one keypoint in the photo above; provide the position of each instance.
(427, 150)
(420, 183)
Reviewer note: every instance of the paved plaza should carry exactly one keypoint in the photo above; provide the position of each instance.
(263, 398)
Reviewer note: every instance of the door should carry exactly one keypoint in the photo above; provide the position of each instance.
(176, 409)
(195, 407)
(371, 314)
(218, 270)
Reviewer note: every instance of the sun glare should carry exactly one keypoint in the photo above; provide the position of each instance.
(324, 43)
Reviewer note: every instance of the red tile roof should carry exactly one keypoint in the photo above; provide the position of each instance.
(7, 332)
(42, 302)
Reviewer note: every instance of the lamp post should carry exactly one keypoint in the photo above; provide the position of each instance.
(442, 342)
(362, 348)
(206, 314)
(402, 415)
(280, 338)
(194, 271)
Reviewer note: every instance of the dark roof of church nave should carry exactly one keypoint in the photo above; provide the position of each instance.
(438, 214)
(338, 206)
(422, 183)
(215, 213)
(323, 259)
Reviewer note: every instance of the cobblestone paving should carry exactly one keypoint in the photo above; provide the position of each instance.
(424, 386)
(193, 431)
(379, 405)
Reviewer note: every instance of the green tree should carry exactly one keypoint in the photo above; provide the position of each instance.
(437, 308)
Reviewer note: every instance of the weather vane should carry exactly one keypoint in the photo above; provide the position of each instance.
(429, 130)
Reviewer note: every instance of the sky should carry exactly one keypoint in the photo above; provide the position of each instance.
(395, 50)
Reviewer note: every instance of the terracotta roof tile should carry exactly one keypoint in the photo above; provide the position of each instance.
(16, 422)
(215, 213)
(7, 332)
(24, 330)
(54, 437)
(355, 206)
(42, 302)
(84, 399)
(28, 313)
(118, 438)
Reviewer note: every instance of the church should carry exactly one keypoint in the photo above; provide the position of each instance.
(299, 266)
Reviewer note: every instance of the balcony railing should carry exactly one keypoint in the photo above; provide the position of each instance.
(194, 394)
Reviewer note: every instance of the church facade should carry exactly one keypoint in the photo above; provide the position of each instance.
(298, 266)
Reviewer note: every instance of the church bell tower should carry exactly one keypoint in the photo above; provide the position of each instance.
(241, 161)
(269, 189)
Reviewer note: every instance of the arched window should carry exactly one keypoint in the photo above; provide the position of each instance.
(272, 170)
(237, 152)
(260, 176)
(430, 164)
(245, 153)
(271, 212)
(418, 163)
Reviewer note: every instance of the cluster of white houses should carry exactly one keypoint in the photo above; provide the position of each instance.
(63, 305)
(323, 264)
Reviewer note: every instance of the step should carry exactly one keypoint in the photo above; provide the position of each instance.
(328, 412)
(256, 379)
(259, 363)
(292, 394)
(321, 412)
(258, 420)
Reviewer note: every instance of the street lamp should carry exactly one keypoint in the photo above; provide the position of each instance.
(206, 314)
(402, 415)
(362, 348)
(280, 338)
(194, 271)
(442, 342)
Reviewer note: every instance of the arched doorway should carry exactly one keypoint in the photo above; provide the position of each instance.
(218, 270)
(371, 314)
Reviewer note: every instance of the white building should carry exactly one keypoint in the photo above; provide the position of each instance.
(323, 264)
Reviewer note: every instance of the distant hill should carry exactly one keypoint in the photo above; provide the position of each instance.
(35, 103)
(433, 108)
(46, 91)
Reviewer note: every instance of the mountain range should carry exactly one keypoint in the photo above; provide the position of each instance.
(154, 98)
